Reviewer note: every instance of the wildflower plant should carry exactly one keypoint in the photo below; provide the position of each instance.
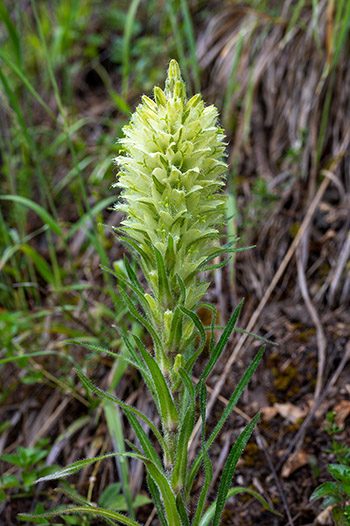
(172, 174)
(336, 493)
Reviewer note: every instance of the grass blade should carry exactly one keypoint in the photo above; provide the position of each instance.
(38, 209)
(27, 84)
(178, 41)
(12, 32)
(115, 428)
(126, 59)
(23, 356)
(191, 43)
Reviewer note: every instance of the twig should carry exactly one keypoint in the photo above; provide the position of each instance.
(321, 338)
(150, 518)
(262, 444)
(344, 256)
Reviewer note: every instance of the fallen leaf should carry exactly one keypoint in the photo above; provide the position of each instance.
(290, 412)
(294, 462)
(342, 411)
(325, 517)
(269, 412)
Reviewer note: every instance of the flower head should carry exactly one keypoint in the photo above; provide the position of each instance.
(172, 174)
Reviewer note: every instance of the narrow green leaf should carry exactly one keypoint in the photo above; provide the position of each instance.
(90, 510)
(163, 281)
(98, 349)
(167, 494)
(134, 312)
(145, 442)
(208, 468)
(73, 495)
(170, 256)
(221, 343)
(236, 395)
(130, 347)
(122, 281)
(134, 246)
(182, 299)
(22, 356)
(126, 58)
(199, 325)
(182, 510)
(89, 385)
(178, 479)
(228, 409)
(209, 514)
(38, 209)
(242, 331)
(141, 366)
(218, 265)
(153, 488)
(175, 329)
(169, 414)
(76, 466)
(188, 384)
(224, 250)
(12, 32)
(230, 468)
(132, 275)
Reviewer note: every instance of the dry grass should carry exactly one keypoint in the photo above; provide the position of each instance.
(288, 111)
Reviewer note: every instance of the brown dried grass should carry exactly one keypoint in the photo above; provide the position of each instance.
(288, 112)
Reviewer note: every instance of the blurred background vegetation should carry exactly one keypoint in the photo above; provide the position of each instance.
(71, 71)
